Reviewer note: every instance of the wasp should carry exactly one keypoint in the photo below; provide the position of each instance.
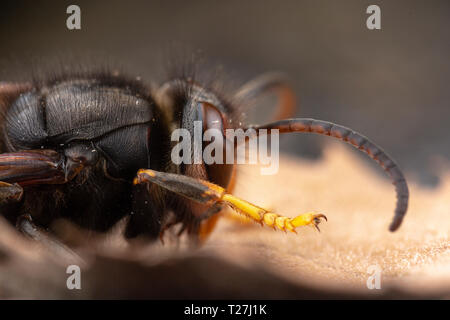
(94, 148)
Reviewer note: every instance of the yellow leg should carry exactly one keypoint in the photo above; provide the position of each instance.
(271, 219)
(209, 193)
(234, 216)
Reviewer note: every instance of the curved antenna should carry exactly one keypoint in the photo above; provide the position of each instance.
(358, 141)
(276, 83)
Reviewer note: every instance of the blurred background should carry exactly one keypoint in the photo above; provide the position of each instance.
(390, 84)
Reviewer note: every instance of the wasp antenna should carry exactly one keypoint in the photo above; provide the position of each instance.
(276, 83)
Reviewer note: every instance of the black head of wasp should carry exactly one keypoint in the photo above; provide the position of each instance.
(95, 148)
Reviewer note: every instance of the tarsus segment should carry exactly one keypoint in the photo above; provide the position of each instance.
(209, 193)
(357, 140)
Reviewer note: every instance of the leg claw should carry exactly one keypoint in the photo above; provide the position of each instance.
(316, 220)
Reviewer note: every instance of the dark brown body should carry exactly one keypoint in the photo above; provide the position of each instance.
(99, 195)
